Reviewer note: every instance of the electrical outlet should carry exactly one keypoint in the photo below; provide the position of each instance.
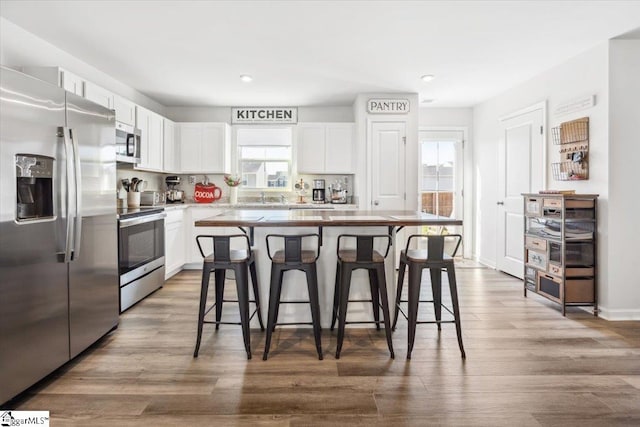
(192, 179)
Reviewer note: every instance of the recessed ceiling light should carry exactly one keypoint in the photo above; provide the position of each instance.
(427, 77)
(246, 78)
(427, 101)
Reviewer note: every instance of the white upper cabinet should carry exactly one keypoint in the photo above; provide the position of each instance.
(325, 148)
(171, 159)
(59, 77)
(204, 147)
(125, 110)
(151, 141)
(99, 95)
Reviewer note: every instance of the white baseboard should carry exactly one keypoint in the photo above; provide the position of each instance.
(487, 263)
(618, 314)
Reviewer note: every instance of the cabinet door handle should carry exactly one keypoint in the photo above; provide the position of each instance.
(499, 203)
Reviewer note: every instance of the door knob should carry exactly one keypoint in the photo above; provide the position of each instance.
(376, 203)
(500, 203)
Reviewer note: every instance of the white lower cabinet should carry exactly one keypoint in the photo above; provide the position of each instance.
(174, 242)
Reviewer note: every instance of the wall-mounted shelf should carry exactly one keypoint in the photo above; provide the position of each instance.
(573, 139)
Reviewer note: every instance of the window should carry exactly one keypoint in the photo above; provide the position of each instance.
(437, 177)
(264, 157)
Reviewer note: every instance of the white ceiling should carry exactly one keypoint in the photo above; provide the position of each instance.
(322, 52)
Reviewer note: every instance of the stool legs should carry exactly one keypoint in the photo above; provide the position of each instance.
(415, 275)
(314, 300)
(275, 291)
(242, 286)
(336, 297)
(344, 287)
(274, 297)
(375, 296)
(220, 275)
(256, 292)
(204, 287)
(451, 274)
(436, 290)
(382, 288)
(401, 270)
(378, 286)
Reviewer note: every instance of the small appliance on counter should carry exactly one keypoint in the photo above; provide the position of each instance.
(174, 195)
(318, 193)
(338, 192)
(153, 198)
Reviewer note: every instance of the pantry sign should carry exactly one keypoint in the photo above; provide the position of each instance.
(388, 106)
(262, 115)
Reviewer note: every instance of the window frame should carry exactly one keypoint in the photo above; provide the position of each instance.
(239, 159)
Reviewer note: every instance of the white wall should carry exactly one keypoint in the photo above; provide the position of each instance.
(585, 74)
(443, 117)
(20, 48)
(623, 291)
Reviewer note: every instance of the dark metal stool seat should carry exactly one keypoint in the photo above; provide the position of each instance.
(293, 257)
(242, 262)
(436, 261)
(363, 257)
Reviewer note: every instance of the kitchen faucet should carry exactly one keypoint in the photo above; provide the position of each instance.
(262, 199)
(283, 199)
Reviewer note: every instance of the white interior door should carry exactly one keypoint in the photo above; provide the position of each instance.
(521, 170)
(388, 165)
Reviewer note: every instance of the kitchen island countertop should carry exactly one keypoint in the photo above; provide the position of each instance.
(315, 218)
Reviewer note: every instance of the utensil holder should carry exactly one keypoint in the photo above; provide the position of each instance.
(133, 199)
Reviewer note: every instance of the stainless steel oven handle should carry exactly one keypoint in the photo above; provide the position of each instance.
(141, 219)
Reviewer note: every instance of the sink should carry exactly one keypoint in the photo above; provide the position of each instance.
(258, 205)
(282, 206)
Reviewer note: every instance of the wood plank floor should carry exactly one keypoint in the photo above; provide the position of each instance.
(526, 365)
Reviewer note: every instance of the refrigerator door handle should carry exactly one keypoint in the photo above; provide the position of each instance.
(68, 150)
(78, 197)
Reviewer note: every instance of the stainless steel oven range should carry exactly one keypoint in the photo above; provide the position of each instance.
(140, 253)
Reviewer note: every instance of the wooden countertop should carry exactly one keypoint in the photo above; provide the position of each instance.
(315, 218)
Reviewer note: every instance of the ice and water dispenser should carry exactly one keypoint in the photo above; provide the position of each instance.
(34, 187)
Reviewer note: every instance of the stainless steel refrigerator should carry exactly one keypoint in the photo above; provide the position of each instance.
(58, 241)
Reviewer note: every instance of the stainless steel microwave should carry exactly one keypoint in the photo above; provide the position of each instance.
(127, 143)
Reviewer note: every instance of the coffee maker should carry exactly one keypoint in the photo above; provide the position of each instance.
(318, 194)
(174, 195)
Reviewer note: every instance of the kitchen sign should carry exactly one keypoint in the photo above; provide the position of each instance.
(388, 106)
(262, 115)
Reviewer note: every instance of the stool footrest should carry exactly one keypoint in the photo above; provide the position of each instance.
(213, 322)
(364, 322)
(293, 323)
(360, 300)
(294, 302)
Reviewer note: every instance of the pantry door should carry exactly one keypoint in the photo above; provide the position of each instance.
(521, 164)
(388, 163)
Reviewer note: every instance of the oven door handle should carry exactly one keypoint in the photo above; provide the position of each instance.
(141, 220)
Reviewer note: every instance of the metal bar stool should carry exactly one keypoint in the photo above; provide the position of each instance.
(435, 259)
(363, 257)
(221, 259)
(293, 257)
